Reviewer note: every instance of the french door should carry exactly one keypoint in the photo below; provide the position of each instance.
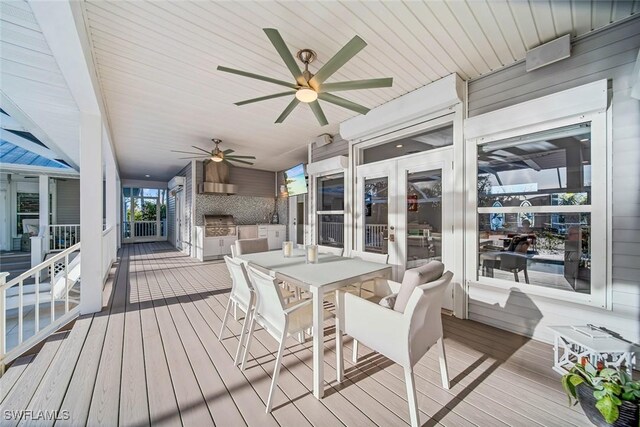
(404, 208)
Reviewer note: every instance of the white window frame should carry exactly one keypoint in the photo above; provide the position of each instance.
(586, 103)
(317, 213)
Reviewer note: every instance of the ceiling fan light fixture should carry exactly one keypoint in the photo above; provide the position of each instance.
(217, 158)
(306, 94)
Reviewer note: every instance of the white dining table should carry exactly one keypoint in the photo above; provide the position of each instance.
(331, 272)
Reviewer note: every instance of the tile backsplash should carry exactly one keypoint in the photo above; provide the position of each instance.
(245, 209)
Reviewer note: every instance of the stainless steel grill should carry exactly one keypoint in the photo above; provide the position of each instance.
(219, 225)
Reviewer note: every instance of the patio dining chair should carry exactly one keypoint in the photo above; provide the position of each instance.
(280, 320)
(251, 246)
(403, 333)
(242, 296)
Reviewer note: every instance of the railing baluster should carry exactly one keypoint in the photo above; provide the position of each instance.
(37, 308)
(66, 283)
(3, 320)
(52, 303)
(20, 311)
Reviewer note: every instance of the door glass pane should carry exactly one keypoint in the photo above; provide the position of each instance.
(424, 217)
(434, 138)
(376, 215)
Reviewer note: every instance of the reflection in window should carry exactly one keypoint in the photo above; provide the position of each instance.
(376, 218)
(424, 217)
(430, 140)
(524, 185)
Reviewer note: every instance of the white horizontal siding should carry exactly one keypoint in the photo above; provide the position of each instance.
(609, 54)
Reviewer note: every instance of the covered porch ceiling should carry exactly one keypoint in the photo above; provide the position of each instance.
(156, 66)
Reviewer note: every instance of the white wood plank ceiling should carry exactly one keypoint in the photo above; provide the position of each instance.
(157, 62)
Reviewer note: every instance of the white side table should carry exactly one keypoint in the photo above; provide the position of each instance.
(569, 346)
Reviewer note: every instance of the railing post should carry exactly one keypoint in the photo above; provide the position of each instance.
(3, 320)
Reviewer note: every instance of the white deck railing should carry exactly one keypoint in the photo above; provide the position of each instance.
(144, 229)
(334, 232)
(49, 284)
(108, 249)
(63, 236)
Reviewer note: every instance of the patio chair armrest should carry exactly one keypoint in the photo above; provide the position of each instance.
(297, 306)
(384, 287)
(379, 328)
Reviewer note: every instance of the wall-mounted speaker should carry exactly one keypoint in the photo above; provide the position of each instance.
(549, 53)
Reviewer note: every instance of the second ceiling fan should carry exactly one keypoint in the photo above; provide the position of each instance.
(308, 87)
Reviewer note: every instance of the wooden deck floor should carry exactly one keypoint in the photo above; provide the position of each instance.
(152, 356)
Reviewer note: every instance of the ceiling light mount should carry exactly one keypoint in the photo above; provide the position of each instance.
(306, 56)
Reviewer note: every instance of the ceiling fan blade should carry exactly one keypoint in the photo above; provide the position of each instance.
(285, 54)
(239, 161)
(202, 149)
(264, 98)
(317, 111)
(194, 157)
(228, 151)
(293, 104)
(257, 77)
(347, 52)
(240, 157)
(186, 152)
(357, 84)
(345, 103)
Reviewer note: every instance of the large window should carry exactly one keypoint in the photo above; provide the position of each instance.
(535, 209)
(330, 210)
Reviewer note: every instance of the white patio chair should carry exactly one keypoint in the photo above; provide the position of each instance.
(242, 296)
(330, 250)
(371, 257)
(402, 336)
(233, 250)
(251, 246)
(277, 318)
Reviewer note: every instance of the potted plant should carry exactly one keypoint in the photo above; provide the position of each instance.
(608, 396)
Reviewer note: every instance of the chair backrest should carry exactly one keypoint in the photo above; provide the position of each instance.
(424, 314)
(370, 256)
(512, 261)
(241, 287)
(251, 246)
(330, 250)
(269, 304)
(61, 282)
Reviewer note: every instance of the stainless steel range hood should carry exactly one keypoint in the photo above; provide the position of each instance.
(216, 179)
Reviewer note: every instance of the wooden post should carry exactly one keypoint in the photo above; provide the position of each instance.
(91, 213)
(111, 202)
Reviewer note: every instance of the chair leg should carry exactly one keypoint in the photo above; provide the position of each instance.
(526, 276)
(246, 322)
(354, 356)
(412, 399)
(276, 371)
(224, 319)
(515, 276)
(444, 372)
(235, 310)
(249, 337)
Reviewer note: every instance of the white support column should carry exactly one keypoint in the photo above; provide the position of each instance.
(40, 243)
(91, 213)
(112, 202)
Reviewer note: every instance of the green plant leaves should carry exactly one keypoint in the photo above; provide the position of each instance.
(608, 409)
